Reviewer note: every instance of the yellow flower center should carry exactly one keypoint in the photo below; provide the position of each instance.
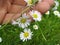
(26, 34)
(29, 1)
(35, 16)
(23, 20)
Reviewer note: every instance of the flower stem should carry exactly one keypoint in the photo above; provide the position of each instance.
(42, 32)
(5, 25)
(43, 35)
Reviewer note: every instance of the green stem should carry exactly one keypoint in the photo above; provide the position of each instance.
(42, 33)
(25, 10)
(3, 26)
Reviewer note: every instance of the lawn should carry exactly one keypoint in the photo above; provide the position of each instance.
(47, 34)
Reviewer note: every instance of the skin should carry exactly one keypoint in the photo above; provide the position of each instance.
(51, 2)
(42, 7)
(10, 9)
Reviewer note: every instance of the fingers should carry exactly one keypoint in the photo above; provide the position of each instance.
(8, 18)
(15, 9)
(51, 2)
(2, 14)
(42, 7)
(4, 9)
(13, 13)
(8, 6)
(16, 16)
(11, 1)
(1, 3)
(20, 2)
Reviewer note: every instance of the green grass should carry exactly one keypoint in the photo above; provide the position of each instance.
(50, 26)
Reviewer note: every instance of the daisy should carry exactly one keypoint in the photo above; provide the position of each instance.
(56, 12)
(0, 25)
(0, 39)
(47, 13)
(58, 44)
(36, 15)
(58, 15)
(29, 2)
(56, 5)
(26, 35)
(23, 21)
(35, 27)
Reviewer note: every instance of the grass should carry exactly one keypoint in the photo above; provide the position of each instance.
(50, 26)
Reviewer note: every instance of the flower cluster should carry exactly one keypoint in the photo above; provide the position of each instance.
(24, 21)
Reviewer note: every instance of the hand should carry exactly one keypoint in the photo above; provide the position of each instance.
(12, 9)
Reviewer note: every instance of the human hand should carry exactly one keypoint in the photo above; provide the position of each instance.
(13, 9)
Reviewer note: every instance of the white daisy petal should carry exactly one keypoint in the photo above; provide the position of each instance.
(23, 39)
(56, 5)
(0, 25)
(0, 39)
(25, 30)
(58, 44)
(26, 25)
(24, 15)
(58, 15)
(55, 8)
(19, 25)
(47, 13)
(14, 22)
(22, 25)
